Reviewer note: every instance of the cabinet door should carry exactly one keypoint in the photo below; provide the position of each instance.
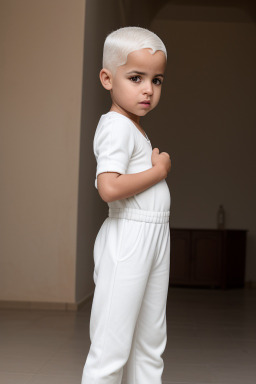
(180, 257)
(206, 258)
(236, 253)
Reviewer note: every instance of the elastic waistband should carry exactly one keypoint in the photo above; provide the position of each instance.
(140, 215)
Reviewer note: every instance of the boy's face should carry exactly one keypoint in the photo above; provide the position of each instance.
(136, 86)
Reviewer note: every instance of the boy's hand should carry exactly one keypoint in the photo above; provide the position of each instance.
(161, 160)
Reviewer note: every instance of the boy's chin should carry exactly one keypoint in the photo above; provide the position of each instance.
(144, 113)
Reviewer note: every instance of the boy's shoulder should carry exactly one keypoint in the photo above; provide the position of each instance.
(114, 131)
(114, 121)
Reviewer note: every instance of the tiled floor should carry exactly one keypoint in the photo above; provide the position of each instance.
(211, 339)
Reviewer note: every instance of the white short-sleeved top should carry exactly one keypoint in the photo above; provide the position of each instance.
(119, 146)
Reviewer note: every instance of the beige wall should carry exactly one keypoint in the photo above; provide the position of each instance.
(41, 88)
(207, 117)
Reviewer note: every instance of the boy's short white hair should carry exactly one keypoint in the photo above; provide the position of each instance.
(120, 43)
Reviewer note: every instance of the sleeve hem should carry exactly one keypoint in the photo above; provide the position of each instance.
(110, 168)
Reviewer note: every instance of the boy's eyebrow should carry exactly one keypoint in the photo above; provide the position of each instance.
(143, 73)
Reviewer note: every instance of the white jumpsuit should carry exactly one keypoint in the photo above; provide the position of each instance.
(131, 266)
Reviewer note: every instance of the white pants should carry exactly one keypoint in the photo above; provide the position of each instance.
(128, 315)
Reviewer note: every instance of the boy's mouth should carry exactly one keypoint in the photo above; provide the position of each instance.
(145, 102)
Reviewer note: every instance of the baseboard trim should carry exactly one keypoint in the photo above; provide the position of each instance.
(87, 300)
(54, 306)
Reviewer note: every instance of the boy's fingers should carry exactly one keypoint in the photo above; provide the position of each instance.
(157, 150)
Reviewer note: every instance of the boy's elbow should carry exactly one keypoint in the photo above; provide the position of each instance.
(106, 194)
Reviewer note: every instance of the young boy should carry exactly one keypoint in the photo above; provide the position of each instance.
(132, 247)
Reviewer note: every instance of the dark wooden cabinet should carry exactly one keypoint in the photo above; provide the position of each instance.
(208, 257)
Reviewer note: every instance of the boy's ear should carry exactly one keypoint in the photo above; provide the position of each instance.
(106, 78)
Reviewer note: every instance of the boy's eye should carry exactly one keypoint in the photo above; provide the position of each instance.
(157, 81)
(135, 79)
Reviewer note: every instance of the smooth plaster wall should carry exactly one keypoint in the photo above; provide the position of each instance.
(41, 89)
(206, 119)
(101, 19)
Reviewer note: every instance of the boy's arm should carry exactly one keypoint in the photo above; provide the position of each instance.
(114, 186)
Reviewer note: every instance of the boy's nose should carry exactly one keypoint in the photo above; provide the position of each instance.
(148, 88)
